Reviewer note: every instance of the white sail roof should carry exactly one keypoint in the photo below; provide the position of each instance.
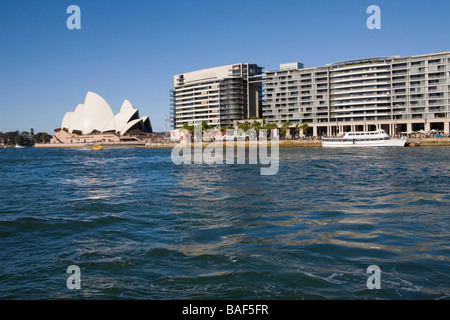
(127, 113)
(66, 120)
(110, 126)
(129, 125)
(76, 122)
(96, 115)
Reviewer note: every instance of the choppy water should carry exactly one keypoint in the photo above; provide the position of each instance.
(140, 227)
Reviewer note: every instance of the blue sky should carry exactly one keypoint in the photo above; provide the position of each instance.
(132, 49)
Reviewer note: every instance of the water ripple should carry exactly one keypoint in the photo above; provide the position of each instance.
(140, 227)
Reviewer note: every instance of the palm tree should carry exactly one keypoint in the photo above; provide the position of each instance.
(304, 127)
(244, 126)
(256, 125)
(269, 126)
(284, 128)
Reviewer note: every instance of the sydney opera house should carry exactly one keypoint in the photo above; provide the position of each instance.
(95, 122)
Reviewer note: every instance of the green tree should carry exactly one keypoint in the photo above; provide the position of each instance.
(41, 137)
(244, 126)
(190, 128)
(10, 137)
(19, 140)
(206, 126)
(269, 126)
(304, 127)
(256, 125)
(284, 128)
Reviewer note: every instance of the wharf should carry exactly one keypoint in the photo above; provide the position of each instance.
(281, 143)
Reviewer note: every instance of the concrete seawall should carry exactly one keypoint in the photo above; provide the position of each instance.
(431, 141)
(87, 145)
(282, 143)
(317, 143)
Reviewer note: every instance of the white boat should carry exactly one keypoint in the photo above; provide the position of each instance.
(378, 138)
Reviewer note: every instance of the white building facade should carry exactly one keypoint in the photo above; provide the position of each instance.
(398, 94)
(217, 96)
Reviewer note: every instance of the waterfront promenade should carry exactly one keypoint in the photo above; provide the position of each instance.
(313, 143)
(282, 143)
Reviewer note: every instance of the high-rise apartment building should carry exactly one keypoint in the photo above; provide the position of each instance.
(398, 94)
(217, 95)
(395, 93)
(297, 95)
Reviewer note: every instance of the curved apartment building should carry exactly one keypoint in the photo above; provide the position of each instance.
(395, 93)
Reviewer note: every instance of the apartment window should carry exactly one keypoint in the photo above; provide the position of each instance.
(437, 61)
(400, 65)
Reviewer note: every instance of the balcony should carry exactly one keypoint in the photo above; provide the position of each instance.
(436, 76)
(351, 115)
(363, 102)
(400, 79)
(359, 96)
(361, 83)
(417, 70)
(439, 108)
(400, 66)
(361, 78)
(399, 73)
(361, 71)
(436, 103)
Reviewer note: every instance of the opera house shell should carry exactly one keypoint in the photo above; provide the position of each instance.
(96, 117)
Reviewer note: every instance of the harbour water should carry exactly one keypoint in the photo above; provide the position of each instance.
(140, 227)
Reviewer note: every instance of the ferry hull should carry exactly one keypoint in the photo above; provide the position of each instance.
(351, 143)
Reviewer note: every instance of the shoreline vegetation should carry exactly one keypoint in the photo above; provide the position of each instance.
(23, 139)
(282, 143)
